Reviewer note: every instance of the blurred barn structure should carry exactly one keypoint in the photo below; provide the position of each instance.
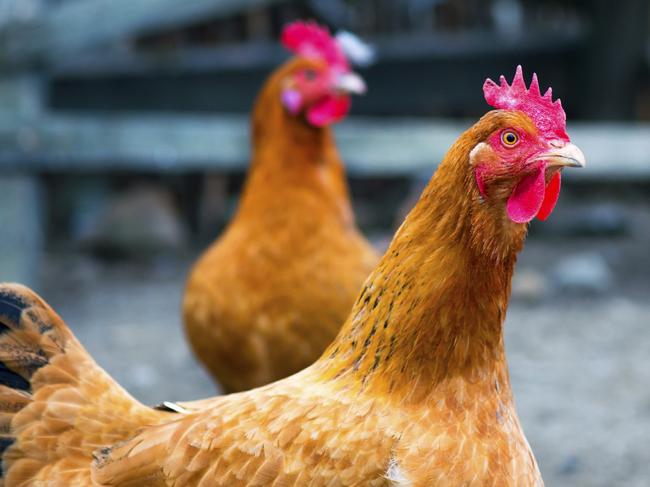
(149, 88)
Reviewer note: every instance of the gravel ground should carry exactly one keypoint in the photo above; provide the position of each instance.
(579, 363)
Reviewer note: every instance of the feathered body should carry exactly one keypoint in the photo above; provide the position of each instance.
(57, 405)
(414, 390)
(272, 292)
(266, 299)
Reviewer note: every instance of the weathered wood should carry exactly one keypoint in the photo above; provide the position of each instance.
(130, 62)
(441, 71)
(166, 143)
(615, 55)
(21, 96)
(84, 24)
(265, 54)
(22, 229)
(21, 208)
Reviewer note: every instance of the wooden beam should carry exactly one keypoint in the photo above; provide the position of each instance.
(266, 54)
(85, 24)
(176, 144)
(608, 71)
(21, 218)
(441, 72)
(130, 62)
(21, 205)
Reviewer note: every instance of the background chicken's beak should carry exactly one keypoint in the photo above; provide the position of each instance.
(567, 156)
(350, 83)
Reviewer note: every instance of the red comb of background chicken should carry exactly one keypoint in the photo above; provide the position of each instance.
(548, 115)
(311, 40)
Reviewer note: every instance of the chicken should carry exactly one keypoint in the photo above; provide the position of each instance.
(414, 390)
(272, 292)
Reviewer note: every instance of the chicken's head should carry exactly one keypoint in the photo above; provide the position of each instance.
(520, 161)
(320, 88)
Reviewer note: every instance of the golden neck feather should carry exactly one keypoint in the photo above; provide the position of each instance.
(433, 309)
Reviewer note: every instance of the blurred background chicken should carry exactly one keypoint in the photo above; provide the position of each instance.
(414, 390)
(269, 295)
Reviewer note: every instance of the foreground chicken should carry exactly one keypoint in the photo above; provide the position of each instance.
(414, 391)
(272, 292)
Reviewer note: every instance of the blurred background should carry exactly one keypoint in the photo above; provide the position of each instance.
(124, 142)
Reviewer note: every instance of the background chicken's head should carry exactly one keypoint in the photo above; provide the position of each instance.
(321, 80)
(520, 159)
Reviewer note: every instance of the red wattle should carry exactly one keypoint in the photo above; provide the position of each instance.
(527, 197)
(551, 195)
(329, 110)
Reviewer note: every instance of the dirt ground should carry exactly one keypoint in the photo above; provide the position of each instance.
(579, 361)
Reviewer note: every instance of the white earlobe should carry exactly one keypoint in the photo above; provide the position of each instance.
(473, 153)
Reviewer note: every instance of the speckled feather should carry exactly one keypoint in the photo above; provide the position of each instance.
(271, 293)
(69, 407)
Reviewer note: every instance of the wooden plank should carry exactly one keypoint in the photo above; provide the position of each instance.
(175, 143)
(266, 54)
(21, 220)
(21, 208)
(84, 24)
(21, 95)
(609, 70)
(442, 76)
(129, 62)
(474, 44)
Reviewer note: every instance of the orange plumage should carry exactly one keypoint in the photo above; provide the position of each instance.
(414, 390)
(272, 292)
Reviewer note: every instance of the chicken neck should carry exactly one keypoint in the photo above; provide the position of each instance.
(432, 312)
(295, 166)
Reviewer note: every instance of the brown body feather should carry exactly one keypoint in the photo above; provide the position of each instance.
(57, 405)
(414, 391)
(266, 298)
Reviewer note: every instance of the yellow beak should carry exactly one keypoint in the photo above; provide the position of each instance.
(568, 155)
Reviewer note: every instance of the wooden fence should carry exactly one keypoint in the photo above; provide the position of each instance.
(84, 36)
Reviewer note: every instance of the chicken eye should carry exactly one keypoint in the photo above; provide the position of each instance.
(509, 138)
(310, 74)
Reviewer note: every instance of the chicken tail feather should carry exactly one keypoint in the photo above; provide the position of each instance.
(57, 406)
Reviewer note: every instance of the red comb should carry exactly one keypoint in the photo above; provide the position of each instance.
(311, 40)
(547, 114)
